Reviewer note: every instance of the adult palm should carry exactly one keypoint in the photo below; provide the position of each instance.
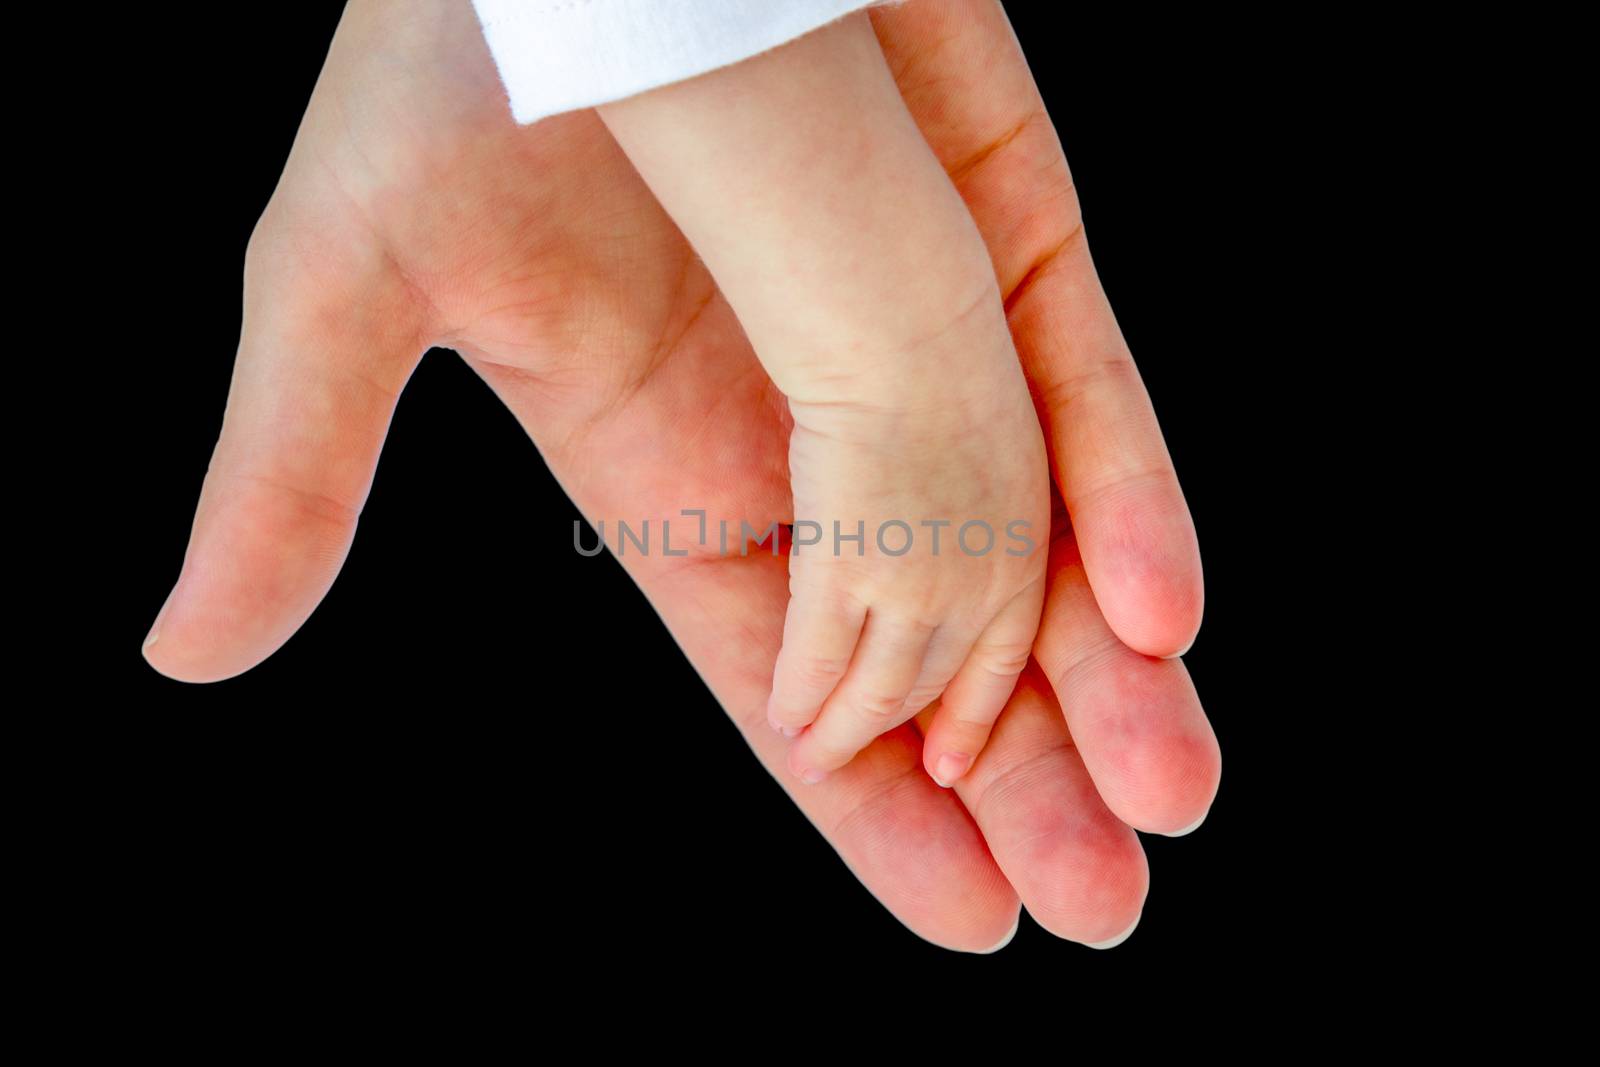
(412, 212)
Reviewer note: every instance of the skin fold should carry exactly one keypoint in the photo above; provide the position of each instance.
(413, 212)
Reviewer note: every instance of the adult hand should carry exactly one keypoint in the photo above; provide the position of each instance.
(413, 213)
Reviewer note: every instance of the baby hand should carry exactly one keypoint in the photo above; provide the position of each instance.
(919, 557)
(867, 292)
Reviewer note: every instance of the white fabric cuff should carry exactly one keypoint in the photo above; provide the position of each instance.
(560, 56)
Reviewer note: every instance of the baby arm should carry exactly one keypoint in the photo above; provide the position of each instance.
(868, 295)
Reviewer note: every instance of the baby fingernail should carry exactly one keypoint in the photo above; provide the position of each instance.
(790, 732)
(811, 776)
(951, 765)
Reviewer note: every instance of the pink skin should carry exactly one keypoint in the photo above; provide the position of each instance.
(412, 211)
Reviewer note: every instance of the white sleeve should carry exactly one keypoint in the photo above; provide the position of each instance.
(560, 55)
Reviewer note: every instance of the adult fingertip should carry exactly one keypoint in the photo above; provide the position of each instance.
(1113, 942)
(1187, 830)
(1175, 790)
(183, 642)
(1152, 594)
(1155, 622)
(164, 656)
(155, 626)
(1016, 925)
(1148, 744)
(1180, 653)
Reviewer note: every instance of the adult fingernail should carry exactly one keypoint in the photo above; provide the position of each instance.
(951, 765)
(1119, 939)
(811, 776)
(1191, 828)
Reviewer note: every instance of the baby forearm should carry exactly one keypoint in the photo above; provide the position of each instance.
(808, 190)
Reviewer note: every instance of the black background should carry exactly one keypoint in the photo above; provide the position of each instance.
(371, 799)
